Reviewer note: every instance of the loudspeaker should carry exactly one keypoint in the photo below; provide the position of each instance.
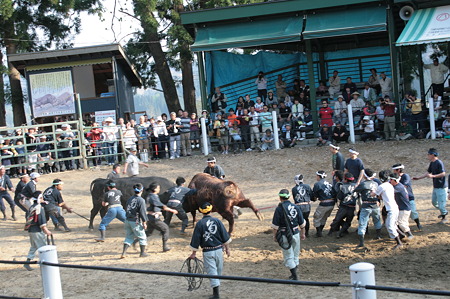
(406, 12)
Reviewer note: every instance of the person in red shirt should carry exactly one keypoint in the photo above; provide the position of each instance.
(96, 135)
(389, 118)
(326, 114)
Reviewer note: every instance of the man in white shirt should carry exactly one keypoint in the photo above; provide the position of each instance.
(386, 192)
(131, 166)
(335, 84)
(340, 110)
(254, 127)
(386, 85)
(437, 72)
(357, 106)
(369, 93)
(110, 132)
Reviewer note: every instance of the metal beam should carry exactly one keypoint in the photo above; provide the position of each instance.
(312, 84)
(394, 55)
(202, 79)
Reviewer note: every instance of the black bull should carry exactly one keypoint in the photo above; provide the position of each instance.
(125, 185)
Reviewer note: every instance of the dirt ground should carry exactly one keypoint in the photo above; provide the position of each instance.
(422, 263)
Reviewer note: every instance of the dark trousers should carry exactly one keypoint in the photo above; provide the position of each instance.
(67, 163)
(438, 88)
(159, 225)
(55, 214)
(372, 136)
(341, 138)
(181, 215)
(417, 120)
(5, 195)
(245, 134)
(163, 141)
(306, 217)
(17, 202)
(344, 217)
(262, 93)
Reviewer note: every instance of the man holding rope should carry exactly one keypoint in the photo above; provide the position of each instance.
(54, 201)
(210, 234)
(288, 218)
(436, 171)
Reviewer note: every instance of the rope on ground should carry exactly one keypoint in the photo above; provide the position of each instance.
(18, 262)
(13, 297)
(405, 290)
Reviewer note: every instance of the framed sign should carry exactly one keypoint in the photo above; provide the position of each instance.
(52, 93)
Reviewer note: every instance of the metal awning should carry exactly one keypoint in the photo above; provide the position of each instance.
(345, 22)
(253, 33)
(431, 25)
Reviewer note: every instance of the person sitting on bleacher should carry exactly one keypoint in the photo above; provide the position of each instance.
(350, 85)
(357, 106)
(235, 136)
(296, 111)
(288, 137)
(306, 125)
(347, 94)
(340, 110)
(271, 99)
(369, 94)
(340, 133)
(324, 136)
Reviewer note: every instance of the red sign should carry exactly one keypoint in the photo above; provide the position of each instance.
(443, 17)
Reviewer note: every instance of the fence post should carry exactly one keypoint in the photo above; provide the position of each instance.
(51, 278)
(81, 144)
(275, 130)
(362, 274)
(204, 136)
(351, 124)
(432, 123)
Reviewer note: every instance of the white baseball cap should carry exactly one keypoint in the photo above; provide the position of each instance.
(34, 175)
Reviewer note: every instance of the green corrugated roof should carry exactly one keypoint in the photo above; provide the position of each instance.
(261, 9)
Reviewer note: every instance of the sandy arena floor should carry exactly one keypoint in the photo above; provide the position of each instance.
(422, 263)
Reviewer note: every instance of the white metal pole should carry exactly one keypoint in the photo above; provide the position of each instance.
(362, 274)
(351, 124)
(432, 123)
(204, 136)
(51, 279)
(275, 129)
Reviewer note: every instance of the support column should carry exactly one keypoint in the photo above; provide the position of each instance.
(202, 79)
(420, 95)
(312, 85)
(393, 55)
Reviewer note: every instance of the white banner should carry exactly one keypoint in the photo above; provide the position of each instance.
(52, 93)
(100, 116)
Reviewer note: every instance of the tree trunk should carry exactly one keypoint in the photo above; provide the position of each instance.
(163, 71)
(2, 97)
(188, 86)
(16, 88)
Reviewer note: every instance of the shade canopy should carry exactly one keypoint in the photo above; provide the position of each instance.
(431, 25)
(251, 33)
(345, 22)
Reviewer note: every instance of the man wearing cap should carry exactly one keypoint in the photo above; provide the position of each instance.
(368, 129)
(307, 124)
(347, 197)
(213, 169)
(340, 110)
(374, 81)
(54, 202)
(131, 166)
(37, 227)
(405, 179)
(5, 185)
(389, 118)
(24, 179)
(335, 84)
(354, 165)
(337, 159)
(437, 72)
(44, 154)
(340, 133)
(370, 206)
(386, 192)
(111, 200)
(404, 207)
(136, 221)
(405, 131)
(210, 234)
(436, 171)
(110, 131)
(66, 142)
(324, 192)
(29, 189)
(289, 217)
(357, 105)
(302, 195)
(326, 114)
(325, 135)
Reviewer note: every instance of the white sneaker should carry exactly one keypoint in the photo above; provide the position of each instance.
(249, 149)
(172, 158)
(301, 139)
(226, 152)
(198, 145)
(193, 146)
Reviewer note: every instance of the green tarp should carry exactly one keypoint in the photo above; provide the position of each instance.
(429, 25)
(347, 22)
(240, 35)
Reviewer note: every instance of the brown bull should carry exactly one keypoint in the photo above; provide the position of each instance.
(223, 195)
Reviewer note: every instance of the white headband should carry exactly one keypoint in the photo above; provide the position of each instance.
(370, 177)
(401, 166)
(352, 151)
(322, 175)
(334, 146)
(395, 179)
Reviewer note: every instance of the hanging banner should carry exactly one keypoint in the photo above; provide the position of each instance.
(100, 116)
(52, 93)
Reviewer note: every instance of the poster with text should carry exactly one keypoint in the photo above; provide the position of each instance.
(52, 93)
